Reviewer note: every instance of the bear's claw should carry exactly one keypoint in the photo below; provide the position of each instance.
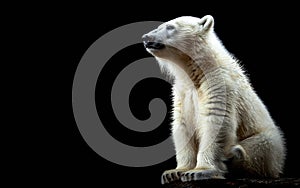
(171, 175)
(193, 175)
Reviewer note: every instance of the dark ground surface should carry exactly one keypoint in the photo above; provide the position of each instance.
(283, 182)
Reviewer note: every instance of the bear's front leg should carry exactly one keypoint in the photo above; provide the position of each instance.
(186, 153)
(216, 135)
(184, 141)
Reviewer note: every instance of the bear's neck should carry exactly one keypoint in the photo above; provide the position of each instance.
(205, 63)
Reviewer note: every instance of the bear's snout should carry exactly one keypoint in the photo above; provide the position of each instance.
(151, 42)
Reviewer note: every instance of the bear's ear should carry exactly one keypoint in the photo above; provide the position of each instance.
(206, 23)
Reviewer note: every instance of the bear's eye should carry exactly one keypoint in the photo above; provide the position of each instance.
(170, 27)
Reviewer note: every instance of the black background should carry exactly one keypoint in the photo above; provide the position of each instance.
(262, 37)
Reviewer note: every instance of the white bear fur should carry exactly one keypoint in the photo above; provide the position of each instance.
(217, 116)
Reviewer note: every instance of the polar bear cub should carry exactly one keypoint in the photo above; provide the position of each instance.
(220, 126)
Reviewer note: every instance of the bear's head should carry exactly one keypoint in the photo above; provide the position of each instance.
(176, 39)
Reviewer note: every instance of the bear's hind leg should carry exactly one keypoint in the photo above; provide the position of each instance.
(261, 155)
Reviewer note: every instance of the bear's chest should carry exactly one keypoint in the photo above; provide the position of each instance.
(190, 108)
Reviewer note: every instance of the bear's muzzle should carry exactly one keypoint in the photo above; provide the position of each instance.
(151, 43)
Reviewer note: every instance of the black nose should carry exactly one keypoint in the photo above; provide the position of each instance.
(146, 38)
